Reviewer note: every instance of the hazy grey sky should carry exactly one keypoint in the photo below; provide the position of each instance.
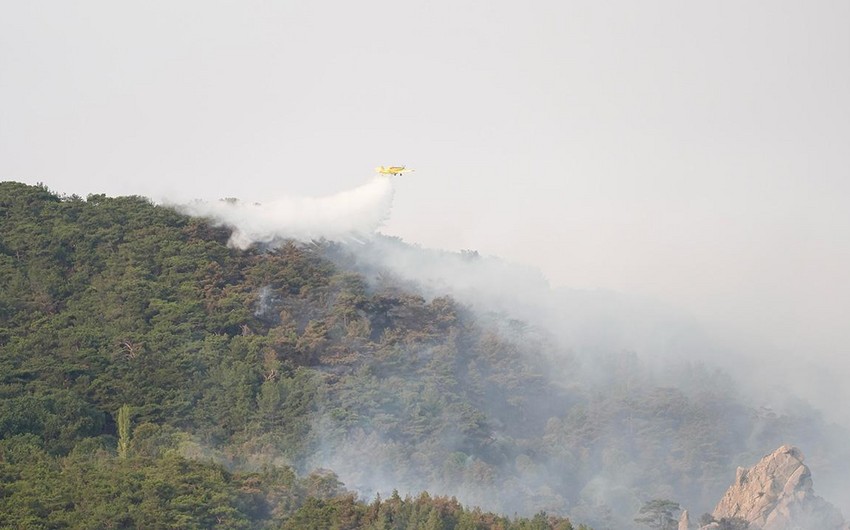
(694, 151)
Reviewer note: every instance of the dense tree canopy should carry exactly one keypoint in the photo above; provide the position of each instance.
(243, 374)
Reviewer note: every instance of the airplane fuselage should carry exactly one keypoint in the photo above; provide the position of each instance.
(392, 170)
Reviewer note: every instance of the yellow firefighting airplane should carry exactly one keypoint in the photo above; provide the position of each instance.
(392, 170)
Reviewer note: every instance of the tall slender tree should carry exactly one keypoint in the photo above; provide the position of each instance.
(123, 421)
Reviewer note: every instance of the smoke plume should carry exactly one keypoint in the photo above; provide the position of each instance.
(352, 214)
(613, 355)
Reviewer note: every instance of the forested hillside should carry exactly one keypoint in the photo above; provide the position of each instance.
(265, 387)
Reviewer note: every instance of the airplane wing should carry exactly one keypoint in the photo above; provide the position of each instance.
(392, 170)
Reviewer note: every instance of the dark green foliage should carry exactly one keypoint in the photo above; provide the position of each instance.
(724, 523)
(114, 304)
(93, 488)
(58, 417)
(659, 513)
(733, 523)
(97, 490)
(423, 512)
(272, 361)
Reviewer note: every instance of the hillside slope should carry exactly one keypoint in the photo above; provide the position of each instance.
(289, 358)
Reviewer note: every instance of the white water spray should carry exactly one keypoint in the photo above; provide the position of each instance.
(351, 214)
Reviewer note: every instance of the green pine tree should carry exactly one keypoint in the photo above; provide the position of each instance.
(123, 420)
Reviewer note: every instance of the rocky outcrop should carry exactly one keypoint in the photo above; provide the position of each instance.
(777, 494)
(684, 521)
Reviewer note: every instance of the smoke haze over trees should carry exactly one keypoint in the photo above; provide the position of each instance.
(287, 359)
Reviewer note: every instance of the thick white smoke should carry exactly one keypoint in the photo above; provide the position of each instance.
(346, 215)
